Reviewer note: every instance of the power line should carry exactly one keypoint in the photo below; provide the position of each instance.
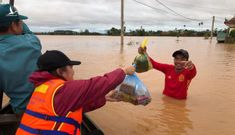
(150, 6)
(201, 7)
(219, 19)
(197, 20)
(176, 12)
(166, 11)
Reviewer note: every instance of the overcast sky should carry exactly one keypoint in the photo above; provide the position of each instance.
(100, 15)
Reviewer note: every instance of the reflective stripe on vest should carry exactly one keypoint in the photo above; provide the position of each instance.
(40, 115)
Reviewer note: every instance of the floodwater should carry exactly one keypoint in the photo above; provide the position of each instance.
(209, 109)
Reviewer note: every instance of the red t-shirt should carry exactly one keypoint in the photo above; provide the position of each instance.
(176, 84)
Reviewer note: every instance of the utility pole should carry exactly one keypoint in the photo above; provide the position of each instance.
(212, 26)
(122, 23)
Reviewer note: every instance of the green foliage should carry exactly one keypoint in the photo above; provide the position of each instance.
(69, 32)
(114, 32)
(138, 32)
(232, 33)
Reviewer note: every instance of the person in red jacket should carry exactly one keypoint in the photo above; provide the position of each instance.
(177, 76)
(58, 100)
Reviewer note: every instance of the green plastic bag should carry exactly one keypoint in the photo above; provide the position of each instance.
(142, 63)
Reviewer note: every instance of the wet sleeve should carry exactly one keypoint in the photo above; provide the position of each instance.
(159, 66)
(88, 94)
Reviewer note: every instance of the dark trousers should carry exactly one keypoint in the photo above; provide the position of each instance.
(9, 129)
(9, 121)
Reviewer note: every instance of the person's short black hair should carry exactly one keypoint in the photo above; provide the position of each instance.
(182, 52)
(4, 28)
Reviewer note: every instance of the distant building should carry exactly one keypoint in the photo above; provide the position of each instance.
(230, 23)
(230, 37)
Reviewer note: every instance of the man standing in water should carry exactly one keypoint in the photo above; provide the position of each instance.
(19, 51)
(177, 76)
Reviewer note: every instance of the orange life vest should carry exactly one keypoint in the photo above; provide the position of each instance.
(41, 118)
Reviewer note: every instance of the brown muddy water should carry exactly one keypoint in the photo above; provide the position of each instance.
(209, 109)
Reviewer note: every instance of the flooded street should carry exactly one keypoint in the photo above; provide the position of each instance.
(209, 109)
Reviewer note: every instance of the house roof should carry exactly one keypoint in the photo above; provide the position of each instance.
(230, 23)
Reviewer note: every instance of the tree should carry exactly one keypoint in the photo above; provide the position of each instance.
(114, 32)
(232, 34)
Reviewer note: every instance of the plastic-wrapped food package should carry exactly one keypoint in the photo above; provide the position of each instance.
(133, 90)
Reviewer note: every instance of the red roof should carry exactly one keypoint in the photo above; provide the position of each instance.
(230, 23)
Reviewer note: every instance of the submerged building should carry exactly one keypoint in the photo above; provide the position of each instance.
(230, 23)
(229, 36)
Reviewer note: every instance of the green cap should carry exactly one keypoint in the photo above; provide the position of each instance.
(8, 14)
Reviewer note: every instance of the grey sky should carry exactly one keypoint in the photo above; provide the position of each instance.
(100, 15)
